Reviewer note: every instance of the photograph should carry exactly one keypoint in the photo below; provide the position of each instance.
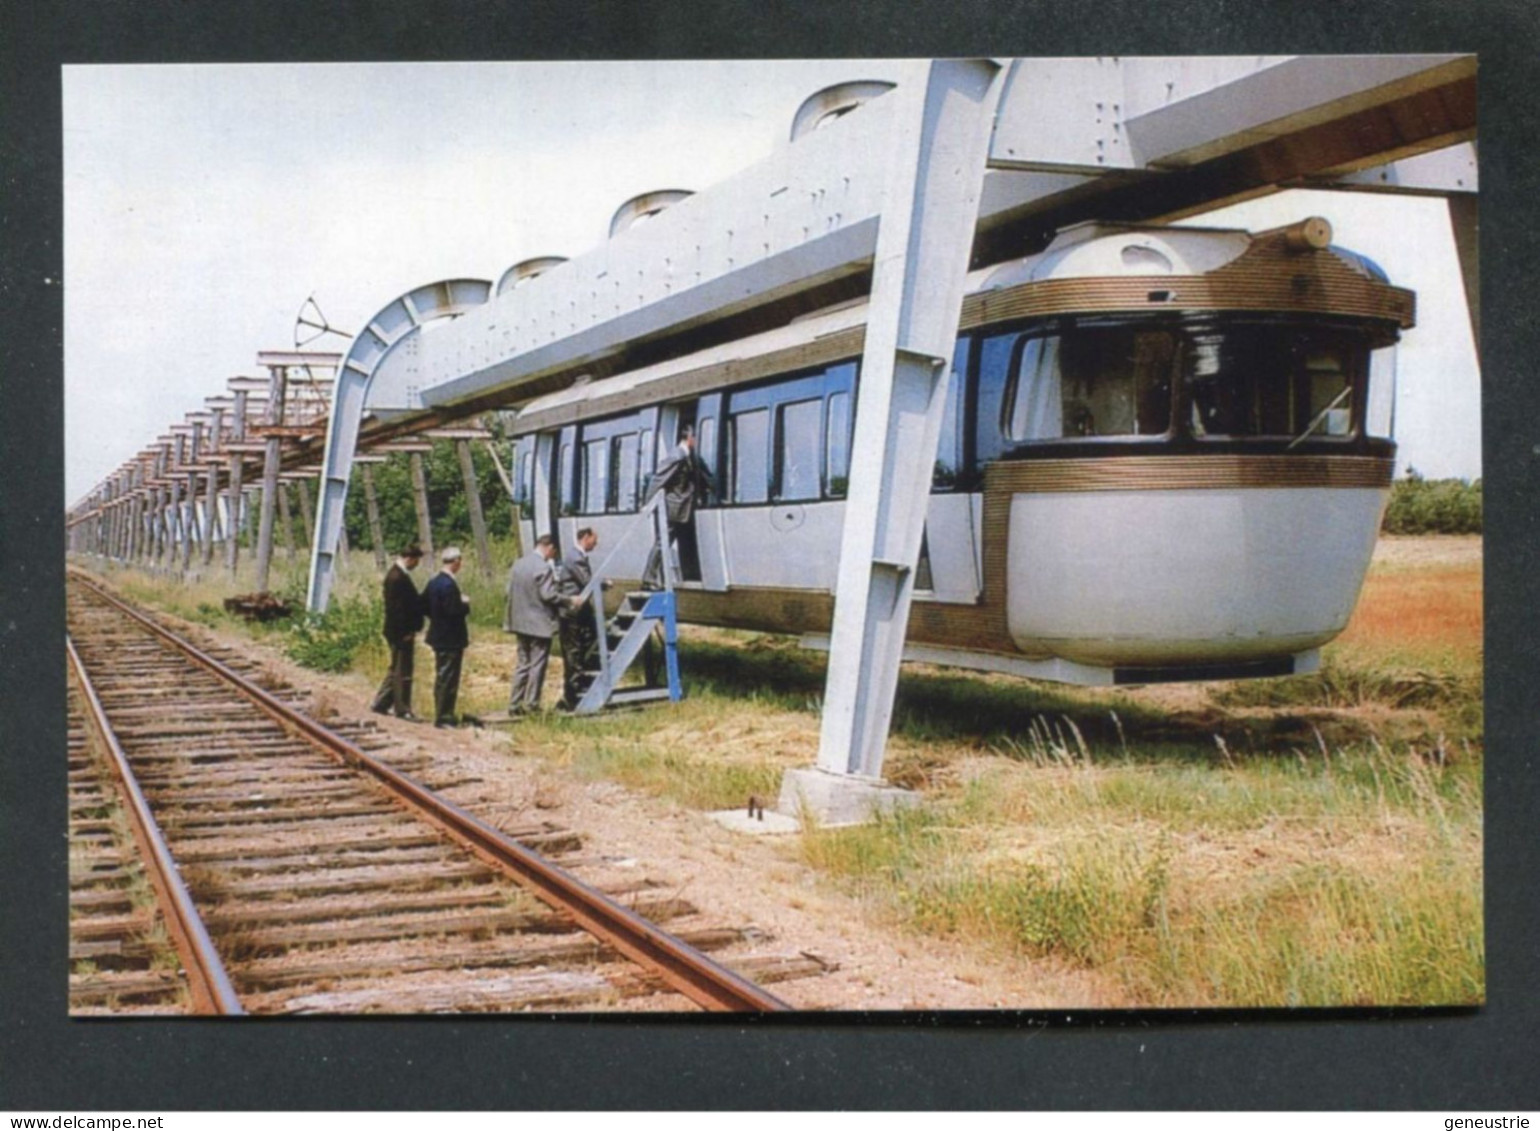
(867, 536)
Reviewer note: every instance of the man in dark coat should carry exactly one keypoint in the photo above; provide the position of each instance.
(579, 629)
(403, 621)
(447, 635)
(684, 481)
(534, 602)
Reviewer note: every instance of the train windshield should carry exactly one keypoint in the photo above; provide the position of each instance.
(1221, 380)
(1272, 381)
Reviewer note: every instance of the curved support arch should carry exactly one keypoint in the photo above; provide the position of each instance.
(396, 323)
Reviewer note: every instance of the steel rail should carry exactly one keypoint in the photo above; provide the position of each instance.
(680, 965)
(207, 980)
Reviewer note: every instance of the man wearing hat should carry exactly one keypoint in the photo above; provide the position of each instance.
(403, 621)
(447, 635)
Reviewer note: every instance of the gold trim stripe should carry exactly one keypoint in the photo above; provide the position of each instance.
(1187, 473)
(1268, 277)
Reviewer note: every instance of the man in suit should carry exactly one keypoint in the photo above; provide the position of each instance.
(684, 481)
(403, 621)
(447, 635)
(534, 601)
(579, 629)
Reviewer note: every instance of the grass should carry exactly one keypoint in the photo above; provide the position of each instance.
(1353, 880)
(1306, 841)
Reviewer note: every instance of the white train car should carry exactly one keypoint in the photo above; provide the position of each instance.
(1165, 456)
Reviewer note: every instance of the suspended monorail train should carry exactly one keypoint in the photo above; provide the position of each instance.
(1165, 455)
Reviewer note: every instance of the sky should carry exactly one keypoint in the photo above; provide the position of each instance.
(203, 204)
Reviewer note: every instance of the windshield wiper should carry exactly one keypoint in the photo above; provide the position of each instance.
(1320, 416)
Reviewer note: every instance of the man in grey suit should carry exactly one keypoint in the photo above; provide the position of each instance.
(534, 599)
(579, 630)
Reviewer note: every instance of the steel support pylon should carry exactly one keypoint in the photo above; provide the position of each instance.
(938, 156)
(397, 323)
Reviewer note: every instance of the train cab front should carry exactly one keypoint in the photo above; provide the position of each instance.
(1192, 487)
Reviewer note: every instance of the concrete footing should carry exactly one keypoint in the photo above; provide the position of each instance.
(765, 822)
(819, 797)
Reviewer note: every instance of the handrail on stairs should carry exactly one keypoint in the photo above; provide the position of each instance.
(654, 512)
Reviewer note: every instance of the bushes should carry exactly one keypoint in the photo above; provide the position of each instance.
(1433, 506)
(329, 642)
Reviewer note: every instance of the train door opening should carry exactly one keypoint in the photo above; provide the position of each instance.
(675, 422)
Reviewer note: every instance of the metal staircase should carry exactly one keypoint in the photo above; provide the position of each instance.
(644, 616)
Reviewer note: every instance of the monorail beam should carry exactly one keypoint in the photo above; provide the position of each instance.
(1219, 146)
(937, 159)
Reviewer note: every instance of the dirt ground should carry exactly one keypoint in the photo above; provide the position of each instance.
(1396, 551)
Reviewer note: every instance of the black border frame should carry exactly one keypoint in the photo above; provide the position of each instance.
(1481, 1060)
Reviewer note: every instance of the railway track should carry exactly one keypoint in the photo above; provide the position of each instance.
(121, 959)
(296, 872)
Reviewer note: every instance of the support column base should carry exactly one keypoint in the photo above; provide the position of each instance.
(830, 800)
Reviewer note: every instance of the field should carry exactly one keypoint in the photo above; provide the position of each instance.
(1306, 841)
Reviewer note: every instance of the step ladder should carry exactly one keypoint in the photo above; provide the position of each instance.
(644, 616)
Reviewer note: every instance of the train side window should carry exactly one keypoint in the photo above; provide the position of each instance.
(995, 357)
(750, 452)
(799, 431)
(1092, 381)
(565, 487)
(625, 454)
(706, 449)
(1036, 404)
(839, 445)
(596, 476)
(526, 483)
(949, 448)
(1380, 411)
